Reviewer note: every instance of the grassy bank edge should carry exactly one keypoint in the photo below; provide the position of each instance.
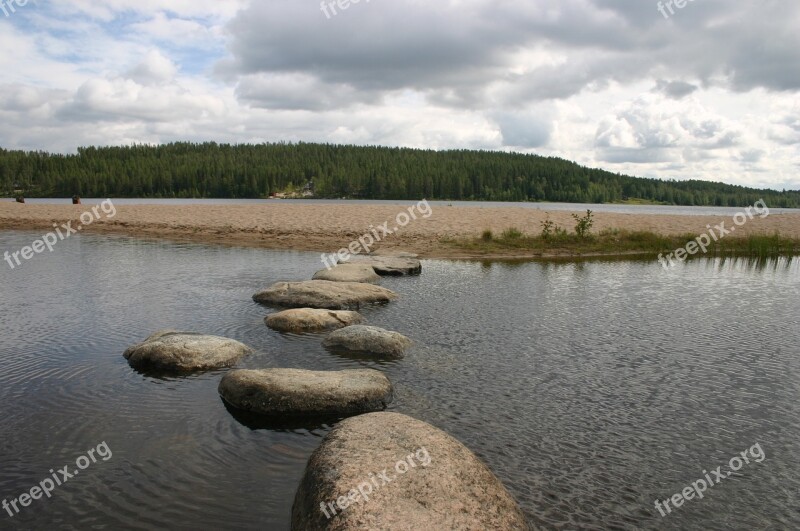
(618, 242)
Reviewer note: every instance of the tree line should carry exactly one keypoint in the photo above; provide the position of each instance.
(190, 170)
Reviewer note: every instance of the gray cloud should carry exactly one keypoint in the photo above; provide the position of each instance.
(649, 131)
(675, 89)
(786, 130)
(298, 92)
(709, 93)
(523, 130)
(455, 52)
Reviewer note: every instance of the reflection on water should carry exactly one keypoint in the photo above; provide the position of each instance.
(591, 388)
(304, 424)
(753, 263)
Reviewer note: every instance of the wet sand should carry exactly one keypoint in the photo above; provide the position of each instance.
(327, 228)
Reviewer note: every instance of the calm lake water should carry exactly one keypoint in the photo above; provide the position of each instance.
(556, 207)
(591, 389)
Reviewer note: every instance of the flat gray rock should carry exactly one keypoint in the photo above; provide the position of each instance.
(295, 392)
(372, 340)
(311, 320)
(349, 273)
(324, 294)
(172, 351)
(392, 266)
(434, 481)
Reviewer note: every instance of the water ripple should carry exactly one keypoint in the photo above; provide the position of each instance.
(590, 389)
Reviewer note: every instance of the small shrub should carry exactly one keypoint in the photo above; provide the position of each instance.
(583, 224)
(487, 235)
(549, 228)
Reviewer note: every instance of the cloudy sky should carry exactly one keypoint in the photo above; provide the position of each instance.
(709, 92)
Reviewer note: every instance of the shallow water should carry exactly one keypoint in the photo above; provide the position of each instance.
(591, 389)
(674, 210)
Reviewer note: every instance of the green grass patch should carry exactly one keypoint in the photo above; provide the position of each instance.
(512, 234)
(618, 242)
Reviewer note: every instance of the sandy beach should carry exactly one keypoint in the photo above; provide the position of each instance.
(327, 228)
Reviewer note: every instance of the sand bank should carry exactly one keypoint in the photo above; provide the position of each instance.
(327, 228)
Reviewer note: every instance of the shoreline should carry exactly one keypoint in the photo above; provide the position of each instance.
(328, 228)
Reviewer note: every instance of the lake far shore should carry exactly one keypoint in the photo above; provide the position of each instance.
(448, 232)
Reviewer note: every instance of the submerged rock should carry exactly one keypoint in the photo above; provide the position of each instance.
(349, 273)
(390, 471)
(324, 294)
(312, 320)
(172, 351)
(369, 340)
(392, 266)
(295, 392)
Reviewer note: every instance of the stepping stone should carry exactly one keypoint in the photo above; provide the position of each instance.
(311, 320)
(296, 392)
(368, 340)
(172, 351)
(349, 273)
(391, 266)
(429, 481)
(324, 294)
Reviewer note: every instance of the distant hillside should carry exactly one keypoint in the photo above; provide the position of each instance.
(252, 171)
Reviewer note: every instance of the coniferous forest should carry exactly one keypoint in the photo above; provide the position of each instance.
(255, 171)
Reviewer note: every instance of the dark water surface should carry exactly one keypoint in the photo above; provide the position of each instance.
(590, 389)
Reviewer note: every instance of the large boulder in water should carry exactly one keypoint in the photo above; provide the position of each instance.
(324, 294)
(302, 320)
(295, 392)
(392, 266)
(392, 472)
(363, 339)
(349, 273)
(172, 351)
